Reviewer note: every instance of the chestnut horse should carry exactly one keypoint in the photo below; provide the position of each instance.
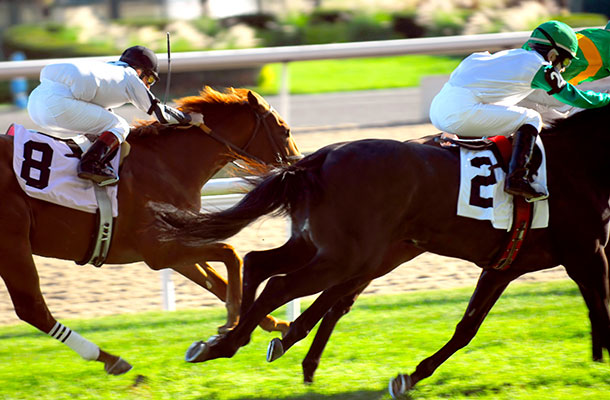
(167, 163)
(359, 209)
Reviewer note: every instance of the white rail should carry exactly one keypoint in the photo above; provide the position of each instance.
(219, 59)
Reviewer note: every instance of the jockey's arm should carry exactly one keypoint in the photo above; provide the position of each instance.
(143, 99)
(550, 80)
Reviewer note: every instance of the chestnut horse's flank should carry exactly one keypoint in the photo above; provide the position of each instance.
(166, 163)
(360, 209)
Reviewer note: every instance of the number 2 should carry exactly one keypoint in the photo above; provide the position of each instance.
(481, 180)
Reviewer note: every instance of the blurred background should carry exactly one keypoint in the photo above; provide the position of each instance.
(41, 29)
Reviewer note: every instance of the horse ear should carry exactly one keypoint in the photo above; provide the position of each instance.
(255, 100)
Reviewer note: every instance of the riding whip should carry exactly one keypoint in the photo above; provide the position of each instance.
(169, 71)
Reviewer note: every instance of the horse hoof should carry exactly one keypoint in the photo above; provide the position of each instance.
(399, 386)
(275, 350)
(118, 368)
(194, 351)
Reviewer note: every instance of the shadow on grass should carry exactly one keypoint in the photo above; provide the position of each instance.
(359, 395)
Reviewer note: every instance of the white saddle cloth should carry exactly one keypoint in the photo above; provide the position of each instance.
(482, 194)
(45, 168)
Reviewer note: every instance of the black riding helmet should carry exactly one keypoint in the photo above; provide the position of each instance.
(143, 58)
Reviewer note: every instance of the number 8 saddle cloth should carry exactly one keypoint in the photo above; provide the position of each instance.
(45, 168)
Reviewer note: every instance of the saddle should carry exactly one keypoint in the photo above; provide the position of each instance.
(501, 147)
(45, 167)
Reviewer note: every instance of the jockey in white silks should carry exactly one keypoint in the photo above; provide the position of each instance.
(481, 95)
(75, 98)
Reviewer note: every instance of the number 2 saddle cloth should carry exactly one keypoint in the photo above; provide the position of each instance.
(45, 167)
(482, 195)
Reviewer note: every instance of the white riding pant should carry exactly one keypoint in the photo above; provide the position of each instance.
(52, 106)
(457, 110)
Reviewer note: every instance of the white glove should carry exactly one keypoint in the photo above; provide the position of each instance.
(196, 119)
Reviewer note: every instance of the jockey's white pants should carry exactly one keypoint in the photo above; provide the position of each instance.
(52, 106)
(457, 110)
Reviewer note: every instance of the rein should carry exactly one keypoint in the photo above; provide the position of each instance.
(261, 120)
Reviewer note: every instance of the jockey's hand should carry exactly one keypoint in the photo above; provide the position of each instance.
(196, 119)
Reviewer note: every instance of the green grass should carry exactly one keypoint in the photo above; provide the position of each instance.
(356, 74)
(535, 344)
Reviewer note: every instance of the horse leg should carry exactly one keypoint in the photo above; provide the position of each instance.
(279, 290)
(490, 286)
(260, 265)
(229, 292)
(206, 276)
(592, 280)
(327, 306)
(22, 282)
(312, 358)
(396, 254)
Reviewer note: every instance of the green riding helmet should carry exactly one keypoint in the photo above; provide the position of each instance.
(557, 35)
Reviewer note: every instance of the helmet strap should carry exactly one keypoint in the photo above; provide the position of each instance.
(550, 38)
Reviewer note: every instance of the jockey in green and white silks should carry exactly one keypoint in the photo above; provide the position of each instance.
(481, 96)
(592, 58)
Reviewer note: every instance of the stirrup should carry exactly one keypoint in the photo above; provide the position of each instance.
(543, 196)
(110, 181)
(104, 175)
(524, 189)
(101, 180)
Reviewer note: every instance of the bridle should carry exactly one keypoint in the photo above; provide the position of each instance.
(261, 120)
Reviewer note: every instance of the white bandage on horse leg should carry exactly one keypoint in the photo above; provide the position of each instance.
(86, 349)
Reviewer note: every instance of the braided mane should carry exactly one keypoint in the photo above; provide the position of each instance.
(207, 96)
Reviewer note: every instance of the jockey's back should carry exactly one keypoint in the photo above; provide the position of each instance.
(105, 84)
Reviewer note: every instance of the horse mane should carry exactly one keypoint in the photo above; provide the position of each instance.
(576, 122)
(188, 104)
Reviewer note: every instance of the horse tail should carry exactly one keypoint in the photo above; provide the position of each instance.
(280, 192)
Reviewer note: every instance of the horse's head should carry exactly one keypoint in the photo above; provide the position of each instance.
(276, 129)
(245, 122)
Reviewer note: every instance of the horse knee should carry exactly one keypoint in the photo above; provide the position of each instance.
(343, 307)
(34, 313)
(229, 255)
(251, 275)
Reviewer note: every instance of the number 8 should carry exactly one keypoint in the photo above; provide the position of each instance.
(43, 165)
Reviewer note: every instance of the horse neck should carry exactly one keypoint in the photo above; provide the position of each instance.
(579, 162)
(188, 157)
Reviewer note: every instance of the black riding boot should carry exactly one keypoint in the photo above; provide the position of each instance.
(94, 165)
(517, 181)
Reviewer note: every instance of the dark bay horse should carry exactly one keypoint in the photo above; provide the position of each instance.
(359, 209)
(166, 163)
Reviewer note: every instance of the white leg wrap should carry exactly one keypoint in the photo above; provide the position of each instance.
(86, 349)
